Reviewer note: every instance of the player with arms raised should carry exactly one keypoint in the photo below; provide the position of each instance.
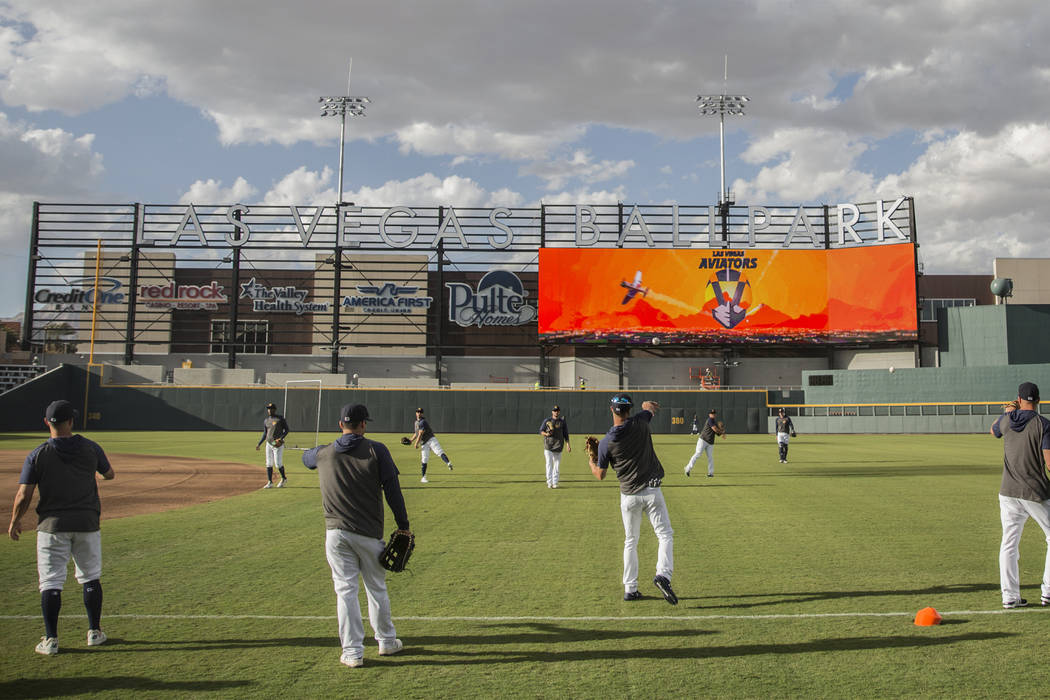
(628, 449)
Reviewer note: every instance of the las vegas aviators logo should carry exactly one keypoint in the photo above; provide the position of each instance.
(728, 297)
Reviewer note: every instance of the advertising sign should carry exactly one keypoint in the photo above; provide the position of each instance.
(729, 295)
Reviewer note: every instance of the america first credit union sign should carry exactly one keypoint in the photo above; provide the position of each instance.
(402, 227)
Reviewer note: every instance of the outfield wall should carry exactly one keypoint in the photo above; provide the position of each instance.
(180, 407)
(923, 384)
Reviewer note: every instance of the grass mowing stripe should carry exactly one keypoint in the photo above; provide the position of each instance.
(541, 618)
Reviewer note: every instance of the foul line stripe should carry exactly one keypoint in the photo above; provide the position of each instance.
(538, 618)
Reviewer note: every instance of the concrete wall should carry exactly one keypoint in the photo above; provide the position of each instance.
(816, 425)
(1031, 278)
(211, 376)
(281, 378)
(973, 336)
(133, 374)
(875, 359)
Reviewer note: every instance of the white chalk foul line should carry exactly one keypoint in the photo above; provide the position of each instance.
(541, 618)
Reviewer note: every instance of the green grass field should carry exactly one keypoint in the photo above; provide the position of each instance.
(797, 580)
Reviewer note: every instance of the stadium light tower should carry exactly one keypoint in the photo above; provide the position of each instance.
(722, 105)
(340, 107)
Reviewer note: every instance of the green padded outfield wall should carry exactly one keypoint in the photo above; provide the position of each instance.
(171, 407)
(921, 384)
(985, 336)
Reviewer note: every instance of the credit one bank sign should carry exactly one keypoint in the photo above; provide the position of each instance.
(399, 227)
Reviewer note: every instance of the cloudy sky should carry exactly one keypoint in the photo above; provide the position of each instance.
(507, 103)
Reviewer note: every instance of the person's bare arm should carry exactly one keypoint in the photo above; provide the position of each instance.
(23, 498)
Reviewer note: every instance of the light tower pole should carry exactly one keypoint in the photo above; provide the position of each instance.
(340, 107)
(722, 105)
(331, 107)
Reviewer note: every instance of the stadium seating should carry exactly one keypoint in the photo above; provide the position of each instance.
(13, 375)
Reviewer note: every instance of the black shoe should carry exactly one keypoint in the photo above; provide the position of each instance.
(633, 595)
(664, 585)
(450, 466)
(1019, 603)
(1045, 600)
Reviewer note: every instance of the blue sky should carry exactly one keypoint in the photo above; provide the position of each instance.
(511, 103)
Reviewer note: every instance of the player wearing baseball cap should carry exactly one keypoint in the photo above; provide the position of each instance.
(555, 432)
(706, 443)
(275, 430)
(68, 511)
(425, 440)
(1025, 490)
(355, 475)
(628, 449)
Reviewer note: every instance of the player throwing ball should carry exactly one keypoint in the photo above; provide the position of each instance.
(275, 430)
(628, 449)
(425, 440)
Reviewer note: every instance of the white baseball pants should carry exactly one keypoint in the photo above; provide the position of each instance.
(651, 502)
(53, 550)
(351, 555)
(553, 460)
(431, 445)
(1014, 513)
(274, 455)
(701, 448)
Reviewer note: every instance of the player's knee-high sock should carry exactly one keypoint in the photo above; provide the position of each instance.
(785, 450)
(445, 457)
(50, 604)
(93, 603)
(424, 468)
(269, 473)
(281, 469)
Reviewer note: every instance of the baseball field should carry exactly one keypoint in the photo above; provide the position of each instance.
(796, 580)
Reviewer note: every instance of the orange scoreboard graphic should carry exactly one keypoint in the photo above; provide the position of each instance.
(729, 295)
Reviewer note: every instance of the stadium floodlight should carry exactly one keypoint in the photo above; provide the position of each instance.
(340, 107)
(723, 104)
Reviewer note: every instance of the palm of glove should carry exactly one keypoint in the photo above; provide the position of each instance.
(398, 551)
(590, 445)
(405, 441)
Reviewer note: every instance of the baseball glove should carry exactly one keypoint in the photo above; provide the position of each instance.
(278, 442)
(398, 550)
(721, 429)
(405, 441)
(794, 434)
(1011, 406)
(590, 446)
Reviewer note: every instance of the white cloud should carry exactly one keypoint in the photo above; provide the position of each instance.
(302, 186)
(559, 172)
(812, 164)
(211, 191)
(978, 197)
(428, 189)
(428, 139)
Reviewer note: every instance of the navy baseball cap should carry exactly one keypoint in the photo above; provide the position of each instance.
(1028, 391)
(354, 413)
(60, 411)
(419, 410)
(271, 405)
(622, 400)
(556, 407)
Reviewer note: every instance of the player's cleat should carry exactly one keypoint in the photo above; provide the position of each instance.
(281, 483)
(424, 480)
(48, 646)
(1019, 603)
(450, 466)
(269, 485)
(664, 585)
(96, 638)
(688, 470)
(391, 648)
(352, 661)
(1045, 600)
(632, 595)
(554, 486)
(710, 476)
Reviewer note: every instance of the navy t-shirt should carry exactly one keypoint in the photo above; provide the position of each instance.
(63, 469)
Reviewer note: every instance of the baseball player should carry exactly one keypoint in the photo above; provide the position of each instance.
(275, 430)
(1025, 490)
(694, 429)
(64, 468)
(706, 444)
(426, 442)
(628, 449)
(555, 432)
(785, 430)
(355, 475)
